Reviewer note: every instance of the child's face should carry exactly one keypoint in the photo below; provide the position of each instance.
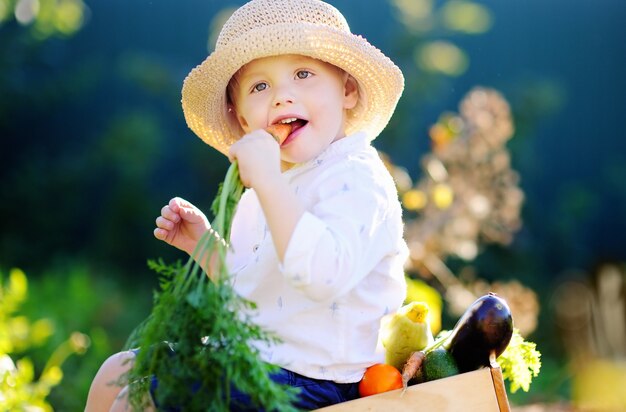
(316, 93)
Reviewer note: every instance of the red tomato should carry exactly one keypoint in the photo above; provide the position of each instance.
(380, 378)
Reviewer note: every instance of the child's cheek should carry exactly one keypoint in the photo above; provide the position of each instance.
(256, 114)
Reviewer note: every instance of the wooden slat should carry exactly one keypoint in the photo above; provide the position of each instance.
(468, 392)
(500, 390)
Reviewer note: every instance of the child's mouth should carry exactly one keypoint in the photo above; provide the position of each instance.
(296, 125)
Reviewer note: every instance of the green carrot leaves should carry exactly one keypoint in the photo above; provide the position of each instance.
(198, 341)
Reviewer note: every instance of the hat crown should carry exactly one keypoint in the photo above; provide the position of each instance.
(262, 13)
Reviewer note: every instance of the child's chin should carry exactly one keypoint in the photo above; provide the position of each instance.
(296, 158)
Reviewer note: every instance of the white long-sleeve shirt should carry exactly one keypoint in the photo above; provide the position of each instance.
(342, 270)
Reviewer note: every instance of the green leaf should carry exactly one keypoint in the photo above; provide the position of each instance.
(520, 363)
(210, 329)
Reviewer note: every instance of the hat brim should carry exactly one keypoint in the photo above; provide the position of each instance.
(204, 90)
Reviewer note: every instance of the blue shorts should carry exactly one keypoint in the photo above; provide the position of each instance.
(313, 393)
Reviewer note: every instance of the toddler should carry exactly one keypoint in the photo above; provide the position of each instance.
(317, 238)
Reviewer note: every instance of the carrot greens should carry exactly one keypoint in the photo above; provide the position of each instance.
(198, 341)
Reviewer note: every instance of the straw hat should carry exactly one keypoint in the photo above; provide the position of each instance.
(312, 28)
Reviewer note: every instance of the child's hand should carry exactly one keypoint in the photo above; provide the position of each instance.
(181, 224)
(258, 155)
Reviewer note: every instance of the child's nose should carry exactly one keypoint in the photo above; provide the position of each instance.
(282, 96)
(282, 101)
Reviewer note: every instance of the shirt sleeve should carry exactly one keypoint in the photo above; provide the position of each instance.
(353, 226)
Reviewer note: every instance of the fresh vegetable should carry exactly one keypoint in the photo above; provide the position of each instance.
(412, 369)
(438, 364)
(380, 378)
(419, 291)
(487, 324)
(480, 335)
(406, 331)
(483, 332)
(279, 131)
(520, 362)
(198, 340)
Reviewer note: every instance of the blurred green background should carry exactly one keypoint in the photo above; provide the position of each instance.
(94, 143)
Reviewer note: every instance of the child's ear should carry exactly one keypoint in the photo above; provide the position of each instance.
(351, 92)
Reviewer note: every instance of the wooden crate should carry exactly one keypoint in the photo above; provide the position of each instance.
(478, 391)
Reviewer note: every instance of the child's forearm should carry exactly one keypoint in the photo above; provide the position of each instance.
(282, 210)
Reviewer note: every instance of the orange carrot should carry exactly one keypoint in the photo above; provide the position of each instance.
(279, 131)
(412, 367)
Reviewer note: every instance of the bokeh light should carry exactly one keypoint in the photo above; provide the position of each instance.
(442, 57)
(415, 14)
(46, 18)
(216, 25)
(466, 16)
(26, 11)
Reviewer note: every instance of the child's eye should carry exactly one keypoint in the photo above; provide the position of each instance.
(303, 74)
(259, 87)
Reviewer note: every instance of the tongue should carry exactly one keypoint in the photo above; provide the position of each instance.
(297, 124)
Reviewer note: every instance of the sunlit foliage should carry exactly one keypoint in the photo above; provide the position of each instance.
(469, 193)
(45, 18)
(19, 390)
(468, 196)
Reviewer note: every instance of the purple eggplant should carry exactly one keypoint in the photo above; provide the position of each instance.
(484, 330)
